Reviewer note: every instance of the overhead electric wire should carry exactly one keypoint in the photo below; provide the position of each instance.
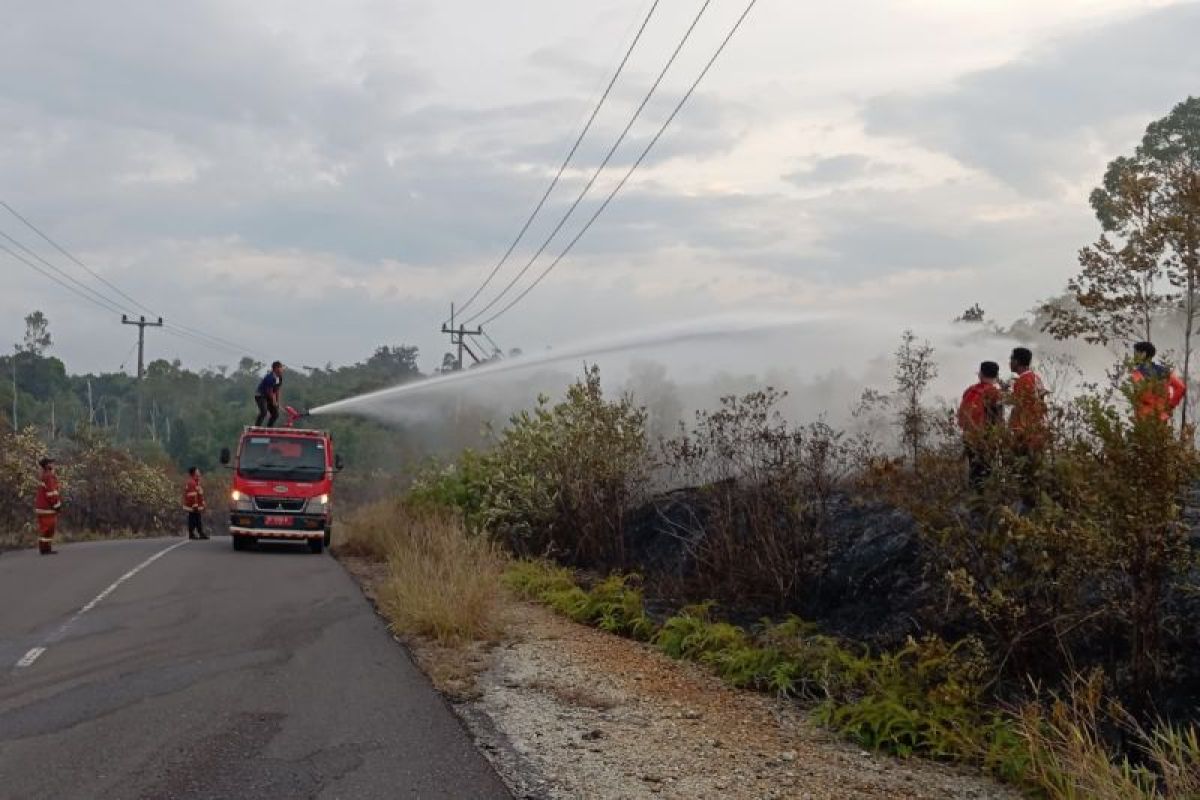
(499, 350)
(71, 257)
(566, 161)
(184, 331)
(632, 169)
(211, 345)
(128, 355)
(107, 308)
(113, 306)
(603, 164)
(99, 300)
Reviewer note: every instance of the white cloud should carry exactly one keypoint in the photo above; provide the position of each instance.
(322, 178)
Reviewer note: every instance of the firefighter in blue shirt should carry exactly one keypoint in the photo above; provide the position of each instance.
(266, 397)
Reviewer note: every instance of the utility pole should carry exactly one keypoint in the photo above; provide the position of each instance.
(458, 338)
(16, 427)
(142, 324)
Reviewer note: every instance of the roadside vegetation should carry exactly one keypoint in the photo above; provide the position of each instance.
(1042, 626)
(439, 582)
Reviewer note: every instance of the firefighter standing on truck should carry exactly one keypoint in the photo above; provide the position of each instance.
(46, 506)
(1157, 389)
(266, 396)
(193, 501)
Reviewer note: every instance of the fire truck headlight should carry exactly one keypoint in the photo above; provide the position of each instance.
(318, 505)
(241, 502)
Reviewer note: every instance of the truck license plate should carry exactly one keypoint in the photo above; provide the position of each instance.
(281, 522)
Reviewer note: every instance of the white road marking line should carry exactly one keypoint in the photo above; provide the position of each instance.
(31, 656)
(36, 652)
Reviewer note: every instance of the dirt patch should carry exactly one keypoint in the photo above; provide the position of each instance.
(566, 711)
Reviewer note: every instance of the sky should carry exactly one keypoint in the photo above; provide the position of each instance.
(310, 180)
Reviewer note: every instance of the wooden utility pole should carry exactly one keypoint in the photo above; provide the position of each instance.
(458, 338)
(141, 324)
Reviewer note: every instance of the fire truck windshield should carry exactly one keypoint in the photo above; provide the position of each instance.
(282, 458)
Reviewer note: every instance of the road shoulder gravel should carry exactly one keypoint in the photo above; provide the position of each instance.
(566, 711)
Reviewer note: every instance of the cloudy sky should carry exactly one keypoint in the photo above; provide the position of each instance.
(312, 179)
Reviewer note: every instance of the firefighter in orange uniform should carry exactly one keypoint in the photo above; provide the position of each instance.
(193, 501)
(980, 416)
(1157, 389)
(46, 506)
(1027, 421)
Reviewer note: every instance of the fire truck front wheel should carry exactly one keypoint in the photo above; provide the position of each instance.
(242, 542)
(316, 545)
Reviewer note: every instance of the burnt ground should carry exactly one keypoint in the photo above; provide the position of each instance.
(880, 583)
(873, 585)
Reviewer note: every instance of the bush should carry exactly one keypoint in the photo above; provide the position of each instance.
(105, 488)
(758, 536)
(1051, 585)
(557, 481)
(19, 454)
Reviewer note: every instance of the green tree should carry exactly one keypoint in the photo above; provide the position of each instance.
(1147, 259)
(1171, 153)
(37, 334)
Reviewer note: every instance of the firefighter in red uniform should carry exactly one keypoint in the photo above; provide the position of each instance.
(980, 416)
(1027, 420)
(46, 506)
(1157, 391)
(193, 501)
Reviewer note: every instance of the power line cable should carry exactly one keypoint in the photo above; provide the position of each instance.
(632, 169)
(217, 340)
(566, 161)
(603, 164)
(95, 298)
(71, 257)
(105, 307)
(193, 333)
(99, 297)
(499, 350)
(128, 355)
(171, 331)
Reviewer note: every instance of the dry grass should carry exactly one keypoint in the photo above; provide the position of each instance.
(441, 582)
(1071, 759)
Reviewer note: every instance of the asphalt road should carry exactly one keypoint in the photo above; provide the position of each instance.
(213, 674)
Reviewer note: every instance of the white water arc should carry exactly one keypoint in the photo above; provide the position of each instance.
(710, 328)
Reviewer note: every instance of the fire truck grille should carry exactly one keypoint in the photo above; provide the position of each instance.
(278, 504)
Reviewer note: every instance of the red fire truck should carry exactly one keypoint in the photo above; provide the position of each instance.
(282, 486)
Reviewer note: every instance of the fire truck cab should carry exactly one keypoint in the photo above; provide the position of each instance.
(282, 486)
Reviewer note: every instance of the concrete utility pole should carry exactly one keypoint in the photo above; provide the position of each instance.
(142, 324)
(14, 366)
(458, 338)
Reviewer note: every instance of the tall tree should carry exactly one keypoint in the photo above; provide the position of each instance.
(1121, 286)
(1171, 152)
(37, 334)
(1147, 259)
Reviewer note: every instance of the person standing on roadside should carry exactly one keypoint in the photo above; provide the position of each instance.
(266, 397)
(193, 501)
(981, 416)
(1157, 390)
(46, 506)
